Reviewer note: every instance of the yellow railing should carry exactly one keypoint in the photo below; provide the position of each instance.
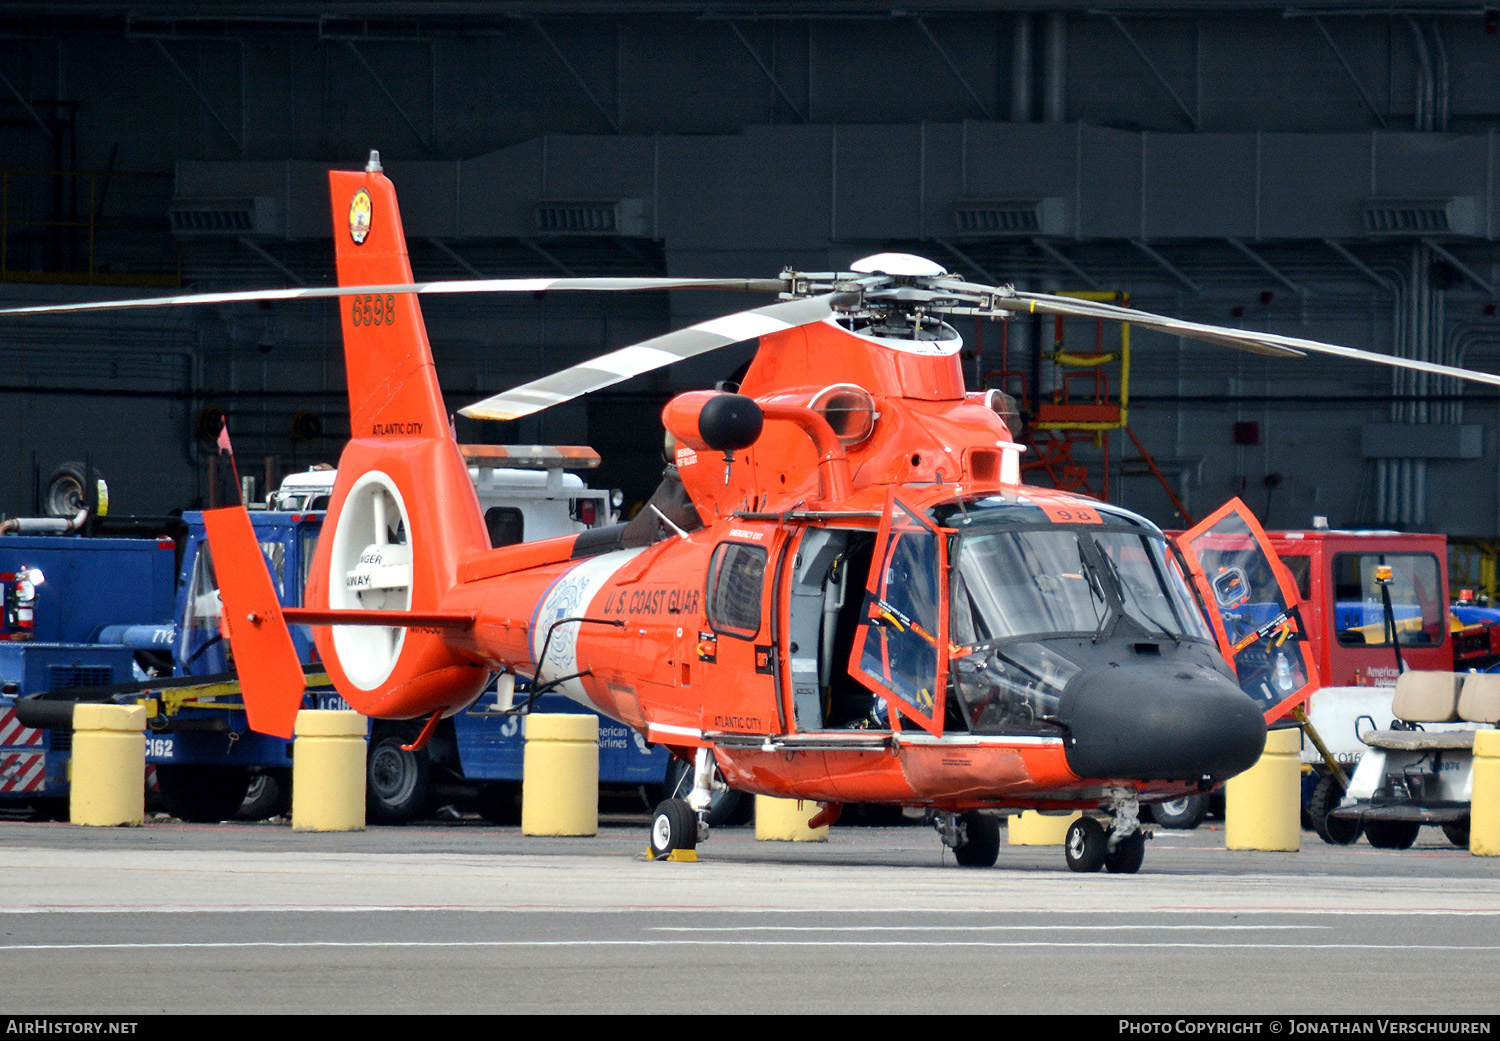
(86, 226)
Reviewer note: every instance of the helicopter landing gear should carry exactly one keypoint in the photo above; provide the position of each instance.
(1119, 848)
(675, 831)
(1085, 845)
(678, 825)
(974, 837)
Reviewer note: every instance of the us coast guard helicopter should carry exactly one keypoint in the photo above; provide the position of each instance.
(840, 593)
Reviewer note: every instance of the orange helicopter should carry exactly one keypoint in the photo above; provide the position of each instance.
(841, 592)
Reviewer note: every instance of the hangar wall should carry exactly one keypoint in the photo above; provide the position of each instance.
(1238, 168)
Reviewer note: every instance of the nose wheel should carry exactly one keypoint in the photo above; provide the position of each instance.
(1089, 846)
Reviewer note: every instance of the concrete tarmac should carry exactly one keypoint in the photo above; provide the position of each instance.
(469, 917)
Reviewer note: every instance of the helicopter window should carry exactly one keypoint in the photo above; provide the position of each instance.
(1415, 599)
(1152, 587)
(736, 583)
(1016, 583)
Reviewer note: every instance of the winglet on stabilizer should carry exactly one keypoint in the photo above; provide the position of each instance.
(270, 673)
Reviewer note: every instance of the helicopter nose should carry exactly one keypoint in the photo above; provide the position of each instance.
(1179, 722)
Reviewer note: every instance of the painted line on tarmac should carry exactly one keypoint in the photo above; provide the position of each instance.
(967, 928)
(478, 944)
(686, 909)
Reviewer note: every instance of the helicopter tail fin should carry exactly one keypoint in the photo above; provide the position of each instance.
(403, 511)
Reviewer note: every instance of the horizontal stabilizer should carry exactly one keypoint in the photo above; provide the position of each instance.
(271, 676)
(386, 619)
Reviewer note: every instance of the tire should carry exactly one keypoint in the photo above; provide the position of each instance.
(269, 795)
(981, 844)
(1335, 831)
(398, 784)
(1186, 812)
(1391, 834)
(1457, 832)
(1126, 857)
(67, 490)
(723, 807)
(674, 826)
(203, 794)
(1085, 845)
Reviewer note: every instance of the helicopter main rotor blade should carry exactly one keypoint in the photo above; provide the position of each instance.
(1244, 339)
(658, 352)
(479, 285)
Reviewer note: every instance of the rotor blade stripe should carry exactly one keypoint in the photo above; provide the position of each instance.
(612, 368)
(744, 326)
(632, 361)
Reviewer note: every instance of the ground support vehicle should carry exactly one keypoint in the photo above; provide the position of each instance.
(1420, 769)
(59, 592)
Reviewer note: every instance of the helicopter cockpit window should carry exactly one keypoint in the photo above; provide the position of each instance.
(1153, 589)
(736, 582)
(903, 625)
(1254, 604)
(1019, 583)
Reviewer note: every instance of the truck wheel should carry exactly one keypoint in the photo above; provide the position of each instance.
(397, 783)
(1391, 834)
(269, 795)
(1186, 812)
(202, 794)
(67, 490)
(674, 826)
(1336, 831)
(1457, 832)
(981, 844)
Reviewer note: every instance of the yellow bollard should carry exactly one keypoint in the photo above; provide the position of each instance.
(1038, 829)
(108, 766)
(785, 820)
(560, 782)
(1263, 805)
(328, 771)
(1484, 810)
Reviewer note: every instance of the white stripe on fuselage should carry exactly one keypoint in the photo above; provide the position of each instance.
(572, 596)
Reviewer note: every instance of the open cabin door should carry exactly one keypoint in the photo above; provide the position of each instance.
(899, 648)
(1252, 606)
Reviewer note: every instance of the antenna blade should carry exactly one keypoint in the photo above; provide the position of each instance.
(479, 285)
(1270, 344)
(656, 353)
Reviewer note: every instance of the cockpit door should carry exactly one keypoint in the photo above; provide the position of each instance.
(899, 648)
(1252, 606)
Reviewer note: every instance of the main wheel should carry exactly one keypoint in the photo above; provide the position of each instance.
(981, 844)
(674, 825)
(1185, 812)
(1457, 832)
(202, 794)
(1126, 857)
(1337, 831)
(397, 783)
(1391, 834)
(1085, 845)
(723, 806)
